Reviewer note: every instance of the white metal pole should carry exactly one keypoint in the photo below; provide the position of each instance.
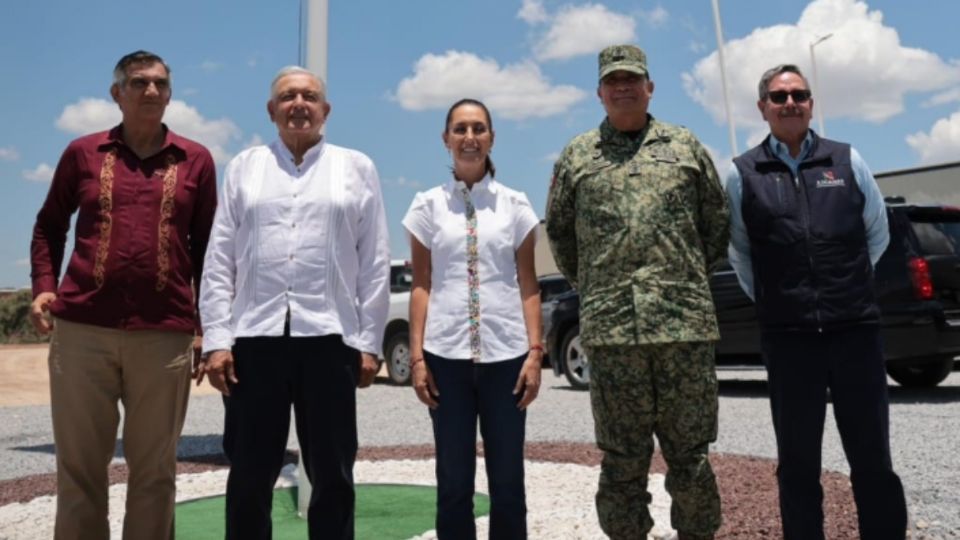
(816, 85)
(314, 43)
(723, 77)
(316, 37)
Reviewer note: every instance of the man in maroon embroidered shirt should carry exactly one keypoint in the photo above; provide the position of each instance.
(123, 317)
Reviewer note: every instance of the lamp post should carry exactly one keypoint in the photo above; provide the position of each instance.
(816, 82)
(723, 77)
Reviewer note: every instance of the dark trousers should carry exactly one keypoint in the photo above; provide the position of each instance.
(801, 367)
(468, 391)
(318, 376)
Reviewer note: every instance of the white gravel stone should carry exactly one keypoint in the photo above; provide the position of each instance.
(559, 496)
(559, 499)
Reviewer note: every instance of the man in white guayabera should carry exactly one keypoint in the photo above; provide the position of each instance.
(294, 301)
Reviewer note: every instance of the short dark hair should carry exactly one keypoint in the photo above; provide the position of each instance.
(768, 75)
(136, 57)
(491, 170)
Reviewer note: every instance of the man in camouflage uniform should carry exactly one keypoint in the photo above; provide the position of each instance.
(637, 219)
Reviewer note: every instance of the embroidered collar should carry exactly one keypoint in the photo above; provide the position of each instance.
(485, 185)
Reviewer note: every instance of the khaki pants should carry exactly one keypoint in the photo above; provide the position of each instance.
(91, 369)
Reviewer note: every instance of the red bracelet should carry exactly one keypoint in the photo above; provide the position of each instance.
(537, 347)
(415, 361)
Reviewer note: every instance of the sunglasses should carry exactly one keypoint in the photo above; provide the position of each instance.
(780, 96)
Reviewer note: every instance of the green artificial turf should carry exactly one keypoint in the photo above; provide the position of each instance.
(383, 512)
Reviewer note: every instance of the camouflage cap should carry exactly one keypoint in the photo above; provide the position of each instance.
(622, 58)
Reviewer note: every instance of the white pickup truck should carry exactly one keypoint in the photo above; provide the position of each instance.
(396, 347)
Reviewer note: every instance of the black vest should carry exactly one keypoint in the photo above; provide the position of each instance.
(811, 266)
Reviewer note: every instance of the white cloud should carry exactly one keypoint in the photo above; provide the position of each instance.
(864, 70)
(697, 47)
(403, 182)
(586, 29)
(941, 143)
(41, 173)
(515, 91)
(216, 135)
(210, 66)
(721, 161)
(9, 153)
(22, 262)
(551, 158)
(656, 17)
(948, 96)
(532, 11)
(89, 115)
(254, 140)
(756, 135)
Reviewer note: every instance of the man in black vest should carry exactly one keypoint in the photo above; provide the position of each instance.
(808, 223)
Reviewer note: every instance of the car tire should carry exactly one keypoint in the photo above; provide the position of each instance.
(576, 367)
(397, 356)
(921, 375)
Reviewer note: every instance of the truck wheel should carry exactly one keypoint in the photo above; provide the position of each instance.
(576, 367)
(922, 375)
(397, 355)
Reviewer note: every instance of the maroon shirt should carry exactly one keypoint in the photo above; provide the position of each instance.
(140, 235)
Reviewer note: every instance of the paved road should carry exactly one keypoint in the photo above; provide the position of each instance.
(925, 429)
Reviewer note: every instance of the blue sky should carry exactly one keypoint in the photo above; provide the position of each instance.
(889, 80)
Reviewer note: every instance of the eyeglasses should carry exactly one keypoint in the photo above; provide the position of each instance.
(780, 96)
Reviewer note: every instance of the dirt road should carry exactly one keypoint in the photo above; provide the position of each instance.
(25, 380)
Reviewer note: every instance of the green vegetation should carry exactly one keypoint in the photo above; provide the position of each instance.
(15, 324)
(383, 512)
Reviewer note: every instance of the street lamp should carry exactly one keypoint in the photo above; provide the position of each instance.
(816, 82)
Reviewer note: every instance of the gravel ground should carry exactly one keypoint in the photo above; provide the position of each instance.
(549, 516)
(924, 433)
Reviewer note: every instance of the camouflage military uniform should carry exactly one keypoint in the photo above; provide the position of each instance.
(635, 222)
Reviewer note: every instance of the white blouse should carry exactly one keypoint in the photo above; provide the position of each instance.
(308, 239)
(438, 219)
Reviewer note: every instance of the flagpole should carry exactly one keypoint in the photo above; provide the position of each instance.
(723, 77)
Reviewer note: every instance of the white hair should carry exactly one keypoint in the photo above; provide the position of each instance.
(292, 70)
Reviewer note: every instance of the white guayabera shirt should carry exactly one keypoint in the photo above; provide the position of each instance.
(310, 239)
(437, 218)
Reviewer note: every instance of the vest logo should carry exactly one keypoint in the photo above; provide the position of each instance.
(828, 181)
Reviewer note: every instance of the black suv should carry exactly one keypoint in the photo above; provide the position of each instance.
(918, 289)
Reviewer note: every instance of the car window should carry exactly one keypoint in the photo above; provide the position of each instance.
(938, 238)
(401, 279)
(551, 288)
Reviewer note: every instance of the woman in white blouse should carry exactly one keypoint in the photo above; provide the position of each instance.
(475, 329)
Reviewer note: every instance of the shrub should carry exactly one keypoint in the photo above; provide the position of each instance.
(15, 326)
